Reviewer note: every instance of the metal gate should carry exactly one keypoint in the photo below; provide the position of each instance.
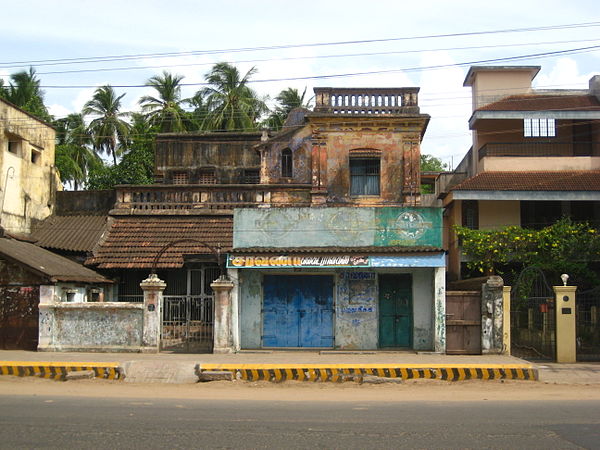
(19, 317)
(188, 311)
(588, 325)
(463, 322)
(532, 316)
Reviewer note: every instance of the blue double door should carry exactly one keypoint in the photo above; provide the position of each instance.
(298, 311)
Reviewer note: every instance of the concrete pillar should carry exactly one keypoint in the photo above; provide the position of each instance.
(46, 330)
(223, 336)
(439, 314)
(235, 308)
(506, 320)
(318, 192)
(566, 334)
(492, 316)
(153, 288)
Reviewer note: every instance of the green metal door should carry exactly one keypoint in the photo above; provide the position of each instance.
(395, 310)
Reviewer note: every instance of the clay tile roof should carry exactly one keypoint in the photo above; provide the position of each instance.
(134, 242)
(533, 181)
(53, 266)
(545, 102)
(75, 233)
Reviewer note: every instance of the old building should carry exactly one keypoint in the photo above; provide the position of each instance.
(28, 178)
(535, 156)
(320, 227)
(29, 274)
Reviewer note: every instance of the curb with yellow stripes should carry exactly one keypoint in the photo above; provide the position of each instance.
(349, 372)
(59, 370)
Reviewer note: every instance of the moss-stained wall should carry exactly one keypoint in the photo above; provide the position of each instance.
(227, 153)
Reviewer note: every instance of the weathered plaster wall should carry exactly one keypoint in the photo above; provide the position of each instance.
(300, 145)
(31, 158)
(90, 327)
(227, 154)
(492, 316)
(357, 312)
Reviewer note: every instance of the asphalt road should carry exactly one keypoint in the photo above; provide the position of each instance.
(40, 421)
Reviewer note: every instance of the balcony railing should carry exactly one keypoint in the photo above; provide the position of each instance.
(187, 199)
(541, 149)
(367, 101)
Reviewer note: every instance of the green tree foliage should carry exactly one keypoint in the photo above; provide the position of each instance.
(287, 100)
(24, 91)
(109, 130)
(564, 247)
(164, 111)
(232, 105)
(136, 165)
(74, 157)
(430, 163)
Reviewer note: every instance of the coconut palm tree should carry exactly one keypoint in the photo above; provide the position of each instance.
(231, 103)
(24, 91)
(74, 156)
(164, 111)
(109, 130)
(287, 100)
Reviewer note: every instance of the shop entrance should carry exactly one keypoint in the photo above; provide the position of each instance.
(298, 311)
(395, 310)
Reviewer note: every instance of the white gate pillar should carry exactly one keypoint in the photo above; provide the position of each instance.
(153, 288)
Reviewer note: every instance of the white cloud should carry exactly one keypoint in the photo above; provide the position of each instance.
(58, 111)
(564, 74)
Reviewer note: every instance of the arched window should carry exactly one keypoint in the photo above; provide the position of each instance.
(286, 163)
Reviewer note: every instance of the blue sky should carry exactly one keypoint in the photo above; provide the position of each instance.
(56, 30)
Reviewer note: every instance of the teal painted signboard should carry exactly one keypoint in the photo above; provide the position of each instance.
(337, 227)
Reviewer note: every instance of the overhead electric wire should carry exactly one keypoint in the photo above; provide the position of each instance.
(355, 74)
(80, 60)
(297, 58)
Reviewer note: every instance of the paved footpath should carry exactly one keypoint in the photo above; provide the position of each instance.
(286, 365)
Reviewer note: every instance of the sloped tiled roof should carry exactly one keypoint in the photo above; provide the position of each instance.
(53, 266)
(545, 102)
(75, 233)
(134, 242)
(532, 181)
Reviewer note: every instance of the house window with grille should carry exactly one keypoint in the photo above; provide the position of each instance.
(180, 178)
(251, 176)
(364, 176)
(470, 214)
(207, 176)
(539, 127)
(286, 163)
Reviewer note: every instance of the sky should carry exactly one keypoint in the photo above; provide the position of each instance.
(350, 43)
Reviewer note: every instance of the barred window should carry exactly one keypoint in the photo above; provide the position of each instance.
(180, 178)
(207, 176)
(364, 176)
(286, 163)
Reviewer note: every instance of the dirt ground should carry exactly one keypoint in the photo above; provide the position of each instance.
(421, 390)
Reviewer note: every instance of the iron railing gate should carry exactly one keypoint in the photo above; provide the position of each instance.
(588, 324)
(188, 311)
(532, 316)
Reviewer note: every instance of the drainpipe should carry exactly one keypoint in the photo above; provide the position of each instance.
(10, 173)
